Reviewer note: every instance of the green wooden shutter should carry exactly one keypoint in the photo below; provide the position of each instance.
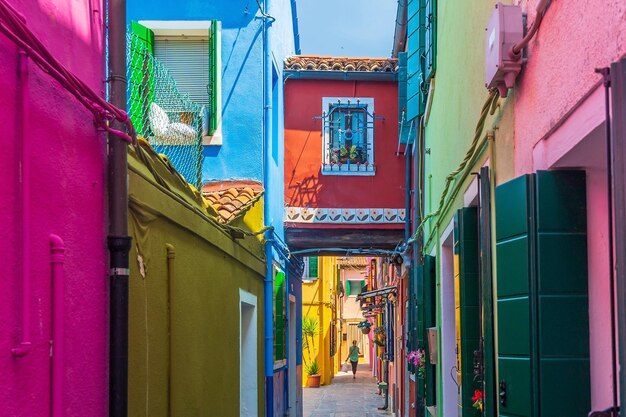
(348, 288)
(214, 74)
(466, 245)
(140, 76)
(415, 61)
(279, 316)
(313, 267)
(426, 304)
(430, 39)
(486, 287)
(543, 324)
(430, 320)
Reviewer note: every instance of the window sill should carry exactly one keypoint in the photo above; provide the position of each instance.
(215, 140)
(348, 169)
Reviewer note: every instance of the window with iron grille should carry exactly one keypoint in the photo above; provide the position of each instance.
(348, 127)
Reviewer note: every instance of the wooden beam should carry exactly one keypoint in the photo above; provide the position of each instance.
(301, 238)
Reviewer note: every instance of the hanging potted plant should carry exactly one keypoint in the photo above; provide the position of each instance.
(365, 326)
(310, 329)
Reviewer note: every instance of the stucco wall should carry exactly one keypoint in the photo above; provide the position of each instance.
(240, 155)
(195, 300)
(67, 197)
(458, 97)
(573, 40)
(305, 186)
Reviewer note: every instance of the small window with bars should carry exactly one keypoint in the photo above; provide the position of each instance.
(348, 125)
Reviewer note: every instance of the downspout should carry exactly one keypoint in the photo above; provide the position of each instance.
(23, 348)
(296, 32)
(171, 255)
(118, 239)
(267, 283)
(407, 186)
(57, 259)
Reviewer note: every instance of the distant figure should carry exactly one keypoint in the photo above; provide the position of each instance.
(354, 357)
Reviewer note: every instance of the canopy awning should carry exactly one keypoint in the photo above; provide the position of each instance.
(375, 293)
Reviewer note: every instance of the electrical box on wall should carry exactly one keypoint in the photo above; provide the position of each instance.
(505, 29)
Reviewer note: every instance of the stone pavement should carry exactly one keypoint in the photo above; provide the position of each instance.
(345, 397)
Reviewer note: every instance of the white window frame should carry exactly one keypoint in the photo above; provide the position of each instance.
(305, 274)
(346, 169)
(184, 28)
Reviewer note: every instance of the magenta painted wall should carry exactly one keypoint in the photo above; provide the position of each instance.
(67, 189)
(559, 114)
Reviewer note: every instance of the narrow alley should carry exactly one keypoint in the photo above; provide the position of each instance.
(345, 396)
(214, 208)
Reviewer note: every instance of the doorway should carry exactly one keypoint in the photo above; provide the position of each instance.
(448, 325)
(248, 372)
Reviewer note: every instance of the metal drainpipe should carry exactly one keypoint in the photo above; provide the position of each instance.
(118, 239)
(171, 256)
(57, 259)
(24, 346)
(407, 186)
(267, 283)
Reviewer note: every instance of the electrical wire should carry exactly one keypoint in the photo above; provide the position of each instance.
(14, 27)
(263, 13)
(488, 108)
(542, 6)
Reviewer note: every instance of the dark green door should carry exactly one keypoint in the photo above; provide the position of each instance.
(466, 248)
(543, 325)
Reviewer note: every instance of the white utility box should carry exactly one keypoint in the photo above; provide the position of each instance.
(505, 29)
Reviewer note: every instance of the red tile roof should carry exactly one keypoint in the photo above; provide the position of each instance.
(340, 63)
(231, 199)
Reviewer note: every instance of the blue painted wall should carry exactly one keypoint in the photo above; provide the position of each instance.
(240, 156)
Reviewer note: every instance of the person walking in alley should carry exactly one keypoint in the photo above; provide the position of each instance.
(354, 357)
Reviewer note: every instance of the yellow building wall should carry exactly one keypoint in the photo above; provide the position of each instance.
(319, 301)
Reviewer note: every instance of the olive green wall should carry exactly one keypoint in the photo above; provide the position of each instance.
(184, 316)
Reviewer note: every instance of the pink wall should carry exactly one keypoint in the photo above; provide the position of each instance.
(559, 114)
(67, 189)
(573, 40)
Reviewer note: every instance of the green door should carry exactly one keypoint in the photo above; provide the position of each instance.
(543, 324)
(466, 248)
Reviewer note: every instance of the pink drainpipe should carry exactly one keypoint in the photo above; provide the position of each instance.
(57, 259)
(24, 346)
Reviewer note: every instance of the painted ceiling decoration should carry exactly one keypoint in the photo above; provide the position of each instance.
(332, 63)
(231, 199)
(344, 215)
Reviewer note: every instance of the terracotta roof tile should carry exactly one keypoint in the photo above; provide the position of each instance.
(339, 63)
(232, 199)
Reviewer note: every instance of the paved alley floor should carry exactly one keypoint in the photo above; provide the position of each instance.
(345, 397)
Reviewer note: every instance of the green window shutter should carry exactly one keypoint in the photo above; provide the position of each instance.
(430, 39)
(214, 74)
(486, 283)
(425, 317)
(140, 76)
(415, 58)
(466, 245)
(348, 287)
(542, 283)
(279, 316)
(313, 267)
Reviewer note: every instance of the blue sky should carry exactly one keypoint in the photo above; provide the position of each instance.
(347, 27)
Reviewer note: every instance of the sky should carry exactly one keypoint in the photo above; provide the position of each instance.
(347, 27)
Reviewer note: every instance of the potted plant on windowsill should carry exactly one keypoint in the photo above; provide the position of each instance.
(365, 326)
(313, 378)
